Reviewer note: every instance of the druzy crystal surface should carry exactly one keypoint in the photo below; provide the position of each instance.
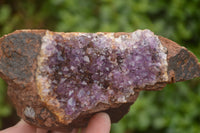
(77, 71)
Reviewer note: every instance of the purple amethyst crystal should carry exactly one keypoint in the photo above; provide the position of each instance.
(77, 71)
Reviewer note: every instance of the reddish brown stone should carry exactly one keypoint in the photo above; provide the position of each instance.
(18, 64)
(182, 64)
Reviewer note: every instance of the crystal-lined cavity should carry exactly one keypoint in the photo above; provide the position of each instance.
(79, 70)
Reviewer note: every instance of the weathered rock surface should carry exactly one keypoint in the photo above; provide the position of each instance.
(59, 80)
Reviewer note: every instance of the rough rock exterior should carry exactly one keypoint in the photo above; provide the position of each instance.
(59, 80)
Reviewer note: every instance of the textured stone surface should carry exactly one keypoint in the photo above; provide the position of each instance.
(67, 77)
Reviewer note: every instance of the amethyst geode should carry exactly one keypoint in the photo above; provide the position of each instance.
(78, 71)
(59, 80)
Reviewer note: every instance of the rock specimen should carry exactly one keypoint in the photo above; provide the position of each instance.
(59, 80)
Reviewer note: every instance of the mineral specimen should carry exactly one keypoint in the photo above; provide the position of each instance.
(59, 80)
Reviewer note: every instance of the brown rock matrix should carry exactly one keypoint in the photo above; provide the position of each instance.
(60, 80)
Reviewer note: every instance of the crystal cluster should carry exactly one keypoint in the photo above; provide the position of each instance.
(76, 71)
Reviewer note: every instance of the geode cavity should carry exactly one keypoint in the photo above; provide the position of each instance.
(59, 80)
